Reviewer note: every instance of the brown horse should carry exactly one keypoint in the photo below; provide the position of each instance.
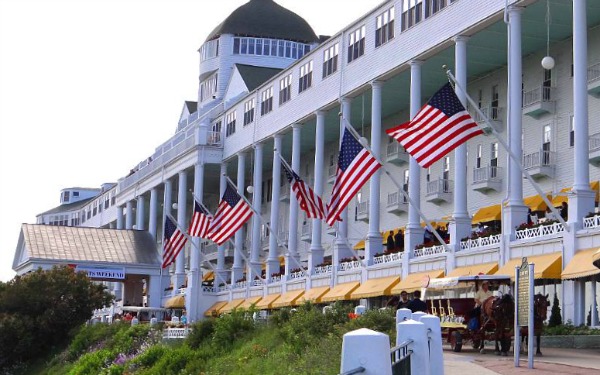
(540, 313)
(498, 313)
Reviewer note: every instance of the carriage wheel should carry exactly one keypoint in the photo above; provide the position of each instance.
(456, 341)
(476, 344)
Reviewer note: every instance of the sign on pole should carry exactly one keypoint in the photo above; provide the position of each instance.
(523, 296)
(524, 290)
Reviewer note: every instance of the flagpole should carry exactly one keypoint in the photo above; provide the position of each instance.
(189, 238)
(279, 242)
(508, 150)
(346, 239)
(387, 172)
(230, 240)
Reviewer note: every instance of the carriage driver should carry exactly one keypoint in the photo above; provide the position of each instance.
(483, 293)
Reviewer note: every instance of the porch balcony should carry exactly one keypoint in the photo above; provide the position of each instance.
(284, 193)
(540, 163)
(539, 101)
(396, 154)
(348, 266)
(540, 231)
(487, 178)
(388, 258)
(362, 211)
(594, 145)
(472, 244)
(431, 250)
(494, 115)
(439, 191)
(323, 270)
(396, 203)
(591, 222)
(594, 80)
(306, 231)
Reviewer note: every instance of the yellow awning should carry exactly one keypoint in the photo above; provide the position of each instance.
(416, 281)
(313, 295)
(177, 302)
(288, 299)
(214, 309)
(596, 259)
(233, 304)
(376, 287)
(582, 265)
(249, 302)
(489, 213)
(267, 302)
(208, 276)
(547, 266)
(475, 269)
(340, 292)
(359, 245)
(535, 202)
(562, 196)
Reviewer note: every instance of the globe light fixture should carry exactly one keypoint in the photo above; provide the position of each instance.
(548, 62)
(250, 189)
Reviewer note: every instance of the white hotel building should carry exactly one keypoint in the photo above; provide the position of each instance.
(267, 82)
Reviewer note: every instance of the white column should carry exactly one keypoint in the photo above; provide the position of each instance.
(221, 250)
(341, 249)
(272, 259)
(582, 202)
(129, 215)
(374, 238)
(140, 213)
(414, 233)
(194, 287)
(154, 291)
(461, 225)
(256, 219)
(594, 301)
(238, 268)
(316, 247)
(168, 198)
(293, 227)
(516, 212)
(182, 221)
(120, 224)
(153, 214)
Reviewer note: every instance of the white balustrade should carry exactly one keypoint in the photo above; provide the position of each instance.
(298, 275)
(176, 333)
(275, 279)
(591, 222)
(431, 250)
(323, 270)
(480, 242)
(541, 231)
(347, 266)
(388, 258)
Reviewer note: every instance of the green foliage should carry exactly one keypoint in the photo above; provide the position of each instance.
(91, 335)
(570, 330)
(555, 316)
(377, 320)
(231, 327)
(38, 311)
(93, 362)
(201, 332)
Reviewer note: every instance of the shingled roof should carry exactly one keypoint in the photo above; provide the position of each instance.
(255, 76)
(78, 244)
(265, 19)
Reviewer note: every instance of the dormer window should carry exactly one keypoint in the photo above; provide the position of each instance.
(208, 87)
(66, 196)
(209, 50)
(269, 47)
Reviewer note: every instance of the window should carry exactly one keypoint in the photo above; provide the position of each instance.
(478, 159)
(285, 89)
(266, 104)
(428, 174)
(230, 124)
(269, 47)
(209, 50)
(479, 98)
(208, 87)
(95, 210)
(330, 60)
(269, 189)
(305, 80)
(356, 44)
(547, 84)
(113, 200)
(248, 112)
(75, 194)
(405, 185)
(385, 27)
(433, 6)
(494, 160)
(66, 196)
(412, 13)
(546, 145)
(572, 131)
(446, 174)
(495, 97)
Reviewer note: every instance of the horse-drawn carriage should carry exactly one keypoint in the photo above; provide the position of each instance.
(451, 299)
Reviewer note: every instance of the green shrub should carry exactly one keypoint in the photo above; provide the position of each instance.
(570, 330)
(93, 363)
(201, 332)
(88, 336)
(231, 327)
(555, 317)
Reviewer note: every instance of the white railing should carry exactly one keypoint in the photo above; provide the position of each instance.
(486, 174)
(240, 285)
(431, 250)
(211, 248)
(176, 333)
(491, 113)
(594, 142)
(276, 279)
(181, 291)
(388, 258)
(347, 266)
(332, 171)
(211, 289)
(439, 186)
(538, 159)
(394, 149)
(593, 72)
(363, 208)
(257, 282)
(480, 242)
(306, 229)
(323, 270)
(591, 222)
(298, 275)
(214, 139)
(541, 231)
(538, 95)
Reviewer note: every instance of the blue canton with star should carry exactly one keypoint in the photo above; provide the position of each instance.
(446, 101)
(350, 148)
(290, 174)
(231, 196)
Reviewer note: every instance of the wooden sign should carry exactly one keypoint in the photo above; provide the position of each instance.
(523, 294)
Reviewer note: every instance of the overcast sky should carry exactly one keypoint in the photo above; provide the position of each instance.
(88, 88)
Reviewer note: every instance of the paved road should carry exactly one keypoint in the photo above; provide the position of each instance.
(554, 361)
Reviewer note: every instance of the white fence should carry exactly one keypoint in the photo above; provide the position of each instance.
(541, 231)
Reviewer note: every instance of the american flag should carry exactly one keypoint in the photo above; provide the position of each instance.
(200, 221)
(438, 128)
(231, 214)
(355, 166)
(309, 202)
(173, 242)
